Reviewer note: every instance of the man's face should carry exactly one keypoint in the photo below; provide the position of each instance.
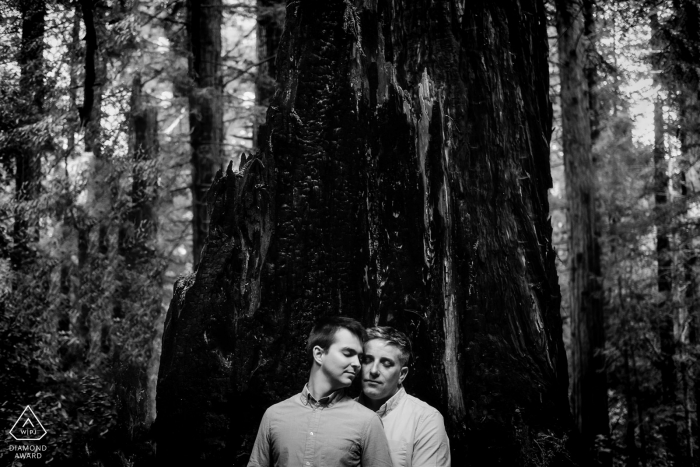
(341, 362)
(381, 370)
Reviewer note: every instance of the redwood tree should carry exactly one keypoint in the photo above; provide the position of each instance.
(664, 320)
(589, 389)
(402, 179)
(206, 108)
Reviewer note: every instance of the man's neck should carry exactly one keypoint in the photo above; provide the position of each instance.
(376, 404)
(319, 385)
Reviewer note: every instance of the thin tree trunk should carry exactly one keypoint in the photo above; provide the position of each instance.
(28, 153)
(403, 180)
(631, 449)
(87, 8)
(630, 435)
(98, 194)
(589, 399)
(140, 228)
(664, 281)
(689, 105)
(140, 279)
(643, 449)
(206, 110)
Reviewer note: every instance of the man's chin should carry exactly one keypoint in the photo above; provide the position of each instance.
(346, 380)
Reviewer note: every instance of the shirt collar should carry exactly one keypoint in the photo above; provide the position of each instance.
(387, 406)
(308, 399)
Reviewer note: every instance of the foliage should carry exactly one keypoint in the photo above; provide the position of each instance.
(81, 317)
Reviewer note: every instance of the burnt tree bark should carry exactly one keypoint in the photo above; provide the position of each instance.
(206, 109)
(589, 389)
(403, 179)
(27, 148)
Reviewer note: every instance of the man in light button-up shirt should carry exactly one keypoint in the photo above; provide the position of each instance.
(321, 426)
(415, 430)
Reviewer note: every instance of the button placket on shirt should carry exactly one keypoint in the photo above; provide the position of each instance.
(311, 432)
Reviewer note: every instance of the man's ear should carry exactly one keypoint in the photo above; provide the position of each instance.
(403, 374)
(318, 354)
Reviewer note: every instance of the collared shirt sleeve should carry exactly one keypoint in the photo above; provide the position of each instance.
(432, 446)
(260, 457)
(375, 447)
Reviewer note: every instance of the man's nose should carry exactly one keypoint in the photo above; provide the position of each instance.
(374, 369)
(356, 362)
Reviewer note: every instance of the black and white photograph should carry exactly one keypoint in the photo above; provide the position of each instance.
(344, 233)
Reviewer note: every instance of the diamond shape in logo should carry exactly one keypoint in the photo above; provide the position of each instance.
(28, 427)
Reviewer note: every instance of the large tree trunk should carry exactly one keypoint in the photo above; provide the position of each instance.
(403, 179)
(27, 151)
(589, 391)
(206, 109)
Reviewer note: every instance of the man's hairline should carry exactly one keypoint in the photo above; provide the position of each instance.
(393, 344)
(359, 338)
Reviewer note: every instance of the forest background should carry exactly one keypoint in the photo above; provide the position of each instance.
(115, 117)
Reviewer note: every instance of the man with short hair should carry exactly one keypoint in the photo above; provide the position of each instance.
(415, 430)
(321, 426)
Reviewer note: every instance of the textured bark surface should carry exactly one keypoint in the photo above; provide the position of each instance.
(206, 109)
(402, 179)
(589, 392)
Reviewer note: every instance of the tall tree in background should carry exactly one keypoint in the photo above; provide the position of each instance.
(28, 143)
(665, 309)
(269, 31)
(687, 51)
(206, 109)
(139, 276)
(589, 401)
(403, 179)
(92, 242)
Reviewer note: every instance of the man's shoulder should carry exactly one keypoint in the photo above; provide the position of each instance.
(284, 406)
(421, 407)
(361, 411)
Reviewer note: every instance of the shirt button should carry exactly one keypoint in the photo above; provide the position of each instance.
(312, 433)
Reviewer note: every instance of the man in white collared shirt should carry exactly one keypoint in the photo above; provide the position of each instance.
(415, 430)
